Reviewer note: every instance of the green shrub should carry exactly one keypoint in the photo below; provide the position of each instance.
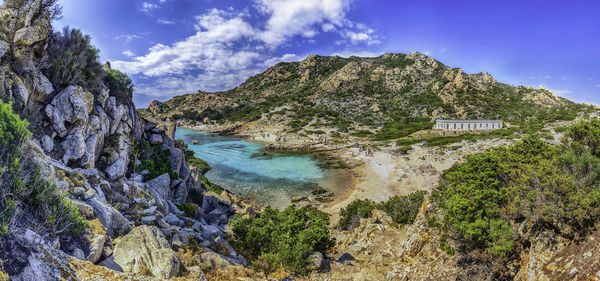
(120, 85)
(188, 209)
(155, 159)
(208, 185)
(284, 238)
(402, 210)
(547, 187)
(23, 191)
(190, 156)
(71, 60)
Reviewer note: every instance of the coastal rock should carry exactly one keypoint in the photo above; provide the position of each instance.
(72, 105)
(114, 222)
(74, 145)
(117, 169)
(96, 248)
(144, 248)
(161, 185)
(42, 88)
(156, 139)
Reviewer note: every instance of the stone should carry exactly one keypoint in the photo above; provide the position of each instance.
(215, 261)
(148, 219)
(89, 194)
(315, 261)
(47, 143)
(30, 35)
(181, 193)
(84, 209)
(3, 47)
(117, 169)
(79, 254)
(72, 105)
(156, 139)
(111, 264)
(144, 248)
(74, 145)
(96, 248)
(78, 191)
(114, 222)
(381, 216)
(42, 88)
(20, 93)
(161, 185)
(148, 211)
(173, 220)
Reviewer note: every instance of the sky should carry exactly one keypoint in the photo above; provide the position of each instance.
(174, 47)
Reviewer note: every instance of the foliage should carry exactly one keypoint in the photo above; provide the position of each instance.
(403, 127)
(530, 183)
(284, 238)
(188, 209)
(155, 159)
(23, 191)
(402, 209)
(208, 185)
(72, 60)
(190, 156)
(120, 85)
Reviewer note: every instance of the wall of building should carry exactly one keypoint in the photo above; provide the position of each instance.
(449, 125)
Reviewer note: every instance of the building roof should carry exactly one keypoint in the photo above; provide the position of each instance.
(469, 120)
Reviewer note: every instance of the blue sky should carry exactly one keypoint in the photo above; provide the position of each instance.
(173, 47)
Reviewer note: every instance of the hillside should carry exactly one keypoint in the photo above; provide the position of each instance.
(389, 96)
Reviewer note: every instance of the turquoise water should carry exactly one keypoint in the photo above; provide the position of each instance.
(239, 166)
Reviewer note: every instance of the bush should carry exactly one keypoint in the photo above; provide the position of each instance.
(208, 185)
(120, 85)
(72, 60)
(24, 193)
(284, 238)
(191, 158)
(155, 159)
(402, 210)
(530, 182)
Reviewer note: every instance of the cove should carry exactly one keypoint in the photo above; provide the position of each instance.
(238, 166)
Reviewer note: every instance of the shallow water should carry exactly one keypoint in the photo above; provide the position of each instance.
(236, 167)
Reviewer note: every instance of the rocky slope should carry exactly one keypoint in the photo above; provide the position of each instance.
(83, 141)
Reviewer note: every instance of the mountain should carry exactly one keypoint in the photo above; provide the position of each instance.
(391, 96)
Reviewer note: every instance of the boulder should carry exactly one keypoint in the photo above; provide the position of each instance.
(315, 261)
(144, 248)
(3, 47)
(117, 169)
(156, 139)
(111, 264)
(42, 88)
(73, 106)
(20, 94)
(47, 143)
(84, 209)
(161, 185)
(114, 222)
(74, 145)
(96, 248)
(30, 35)
(215, 261)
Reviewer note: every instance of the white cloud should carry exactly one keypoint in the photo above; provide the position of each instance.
(208, 50)
(598, 86)
(127, 37)
(561, 92)
(128, 53)
(148, 7)
(164, 21)
(288, 18)
(284, 58)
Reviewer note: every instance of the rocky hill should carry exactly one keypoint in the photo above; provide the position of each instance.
(389, 96)
(72, 199)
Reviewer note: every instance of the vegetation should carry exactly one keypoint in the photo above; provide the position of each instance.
(155, 159)
(208, 185)
(120, 85)
(283, 238)
(402, 210)
(530, 183)
(191, 158)
(72, 60)
(27, 198)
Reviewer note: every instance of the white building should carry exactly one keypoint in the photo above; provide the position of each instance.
(466, 124)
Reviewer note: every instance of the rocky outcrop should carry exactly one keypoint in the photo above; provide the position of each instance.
(145, 249)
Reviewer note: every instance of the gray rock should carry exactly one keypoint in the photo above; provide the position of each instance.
(148, 211)
(215, 261)
(89, 193)
(148, 219)
(145, 248)
(156, 139)
(181, 193)
(79, 254)
(20, 93)
(114, 222)
(197, 226)
(84, 209)
(42, 87)
(117, 169)
(111, 264)
(173, 220)
(47, 143)
(74, 145)
(161, 185)
(96, 248)
(210, 232)
(315, 261)
(72, 105)
(3, 47)
(30, 35)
